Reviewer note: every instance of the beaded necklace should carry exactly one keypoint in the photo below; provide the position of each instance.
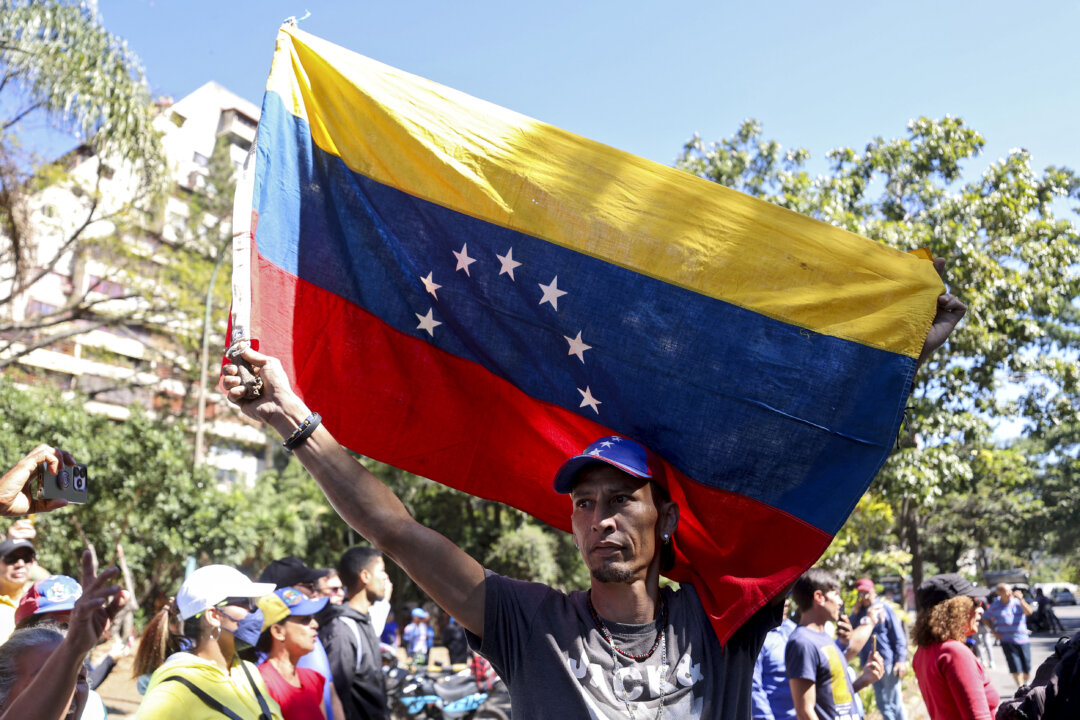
(661, 642)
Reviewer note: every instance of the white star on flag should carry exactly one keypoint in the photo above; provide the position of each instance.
(430, 285)
(607, 444)
(589, 400)
(577, 347)
(552, 293)
(596, 453)
(508, 263)
(427, 322)
(463, 259)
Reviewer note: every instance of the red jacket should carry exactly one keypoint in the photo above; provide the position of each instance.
(954, 685)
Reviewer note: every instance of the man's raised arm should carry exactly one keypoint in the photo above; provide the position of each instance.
(443, 570)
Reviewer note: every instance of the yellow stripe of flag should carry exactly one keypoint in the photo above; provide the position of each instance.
(487, 162)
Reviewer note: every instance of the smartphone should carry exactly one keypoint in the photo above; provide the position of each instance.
(70, 482)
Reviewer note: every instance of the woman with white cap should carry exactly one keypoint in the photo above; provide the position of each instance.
(954, 685)
(197, 673)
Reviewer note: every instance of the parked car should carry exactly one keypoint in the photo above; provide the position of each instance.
(1062, 596)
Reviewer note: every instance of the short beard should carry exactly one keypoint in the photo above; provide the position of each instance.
(611, 574)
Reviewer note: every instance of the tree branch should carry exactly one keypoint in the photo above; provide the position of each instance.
(15, 121)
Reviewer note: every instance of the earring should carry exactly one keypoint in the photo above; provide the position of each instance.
(665, 537)
(215, 633)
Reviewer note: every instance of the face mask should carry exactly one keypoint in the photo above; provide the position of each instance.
(248, 630)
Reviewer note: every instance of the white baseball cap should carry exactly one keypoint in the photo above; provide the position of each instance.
(208, 586)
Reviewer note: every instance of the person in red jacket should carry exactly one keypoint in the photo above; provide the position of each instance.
(954, 685)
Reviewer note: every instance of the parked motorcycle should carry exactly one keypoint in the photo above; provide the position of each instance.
(440, 696)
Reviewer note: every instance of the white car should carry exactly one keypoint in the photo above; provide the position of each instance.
(1062, 596)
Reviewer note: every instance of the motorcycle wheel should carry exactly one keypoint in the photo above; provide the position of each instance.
(490, 713)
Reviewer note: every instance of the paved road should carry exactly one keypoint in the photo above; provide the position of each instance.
(1041, 647)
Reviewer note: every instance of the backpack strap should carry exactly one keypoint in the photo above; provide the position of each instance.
(264, 710)
(199, 693)
(351, 624)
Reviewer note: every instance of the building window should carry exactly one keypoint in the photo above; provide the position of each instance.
(37, 308)
(106, 287)
(201, 160)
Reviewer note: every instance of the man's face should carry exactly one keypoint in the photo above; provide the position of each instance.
(1004, 592)
(330, 587)
(376, 580)
(867, 597)
(15, 566)
(30, 662)
(615, 523)
(833, 603)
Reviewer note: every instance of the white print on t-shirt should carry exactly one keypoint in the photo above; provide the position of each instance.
(629, 683)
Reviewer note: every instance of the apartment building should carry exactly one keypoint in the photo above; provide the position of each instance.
(148, 361)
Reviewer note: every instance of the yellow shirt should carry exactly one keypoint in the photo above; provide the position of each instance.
(7, 617)
(171, 700)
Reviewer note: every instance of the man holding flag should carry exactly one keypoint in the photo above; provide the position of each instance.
(625, 648)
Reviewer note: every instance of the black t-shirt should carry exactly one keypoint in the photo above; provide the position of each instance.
(546, 647)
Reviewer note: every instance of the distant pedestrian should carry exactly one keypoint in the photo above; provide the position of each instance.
(1007, 616)
(1044, 611)
(418, 636)
(889, 639)
(457, 646)
(984, 640)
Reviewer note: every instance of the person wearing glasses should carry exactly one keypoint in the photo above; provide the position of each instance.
(197, 673)
(291, 633)
(330, 586)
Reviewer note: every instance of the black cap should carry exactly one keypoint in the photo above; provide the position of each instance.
(289, 571)
(12, 544)
(939, 588)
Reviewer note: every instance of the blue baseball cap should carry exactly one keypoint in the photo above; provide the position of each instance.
(619, 452)
(297, 603)
(55, 593)
(419, 613)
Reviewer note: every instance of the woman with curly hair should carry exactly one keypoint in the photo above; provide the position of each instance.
(954, 685)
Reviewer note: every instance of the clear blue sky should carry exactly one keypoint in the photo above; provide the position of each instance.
(645, 76)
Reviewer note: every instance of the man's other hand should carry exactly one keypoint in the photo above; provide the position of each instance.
(949, 312)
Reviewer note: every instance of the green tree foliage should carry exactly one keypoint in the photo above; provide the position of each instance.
(143, 491)
(145, 496)
(1012, 258)
(59, 60)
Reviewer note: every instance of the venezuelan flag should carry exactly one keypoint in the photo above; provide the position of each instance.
(474, 296)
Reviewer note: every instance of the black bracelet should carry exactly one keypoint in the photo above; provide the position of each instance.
(302, 433)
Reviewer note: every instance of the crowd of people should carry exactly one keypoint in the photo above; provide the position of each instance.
(299, 642)
(296, 643)
(803, 671)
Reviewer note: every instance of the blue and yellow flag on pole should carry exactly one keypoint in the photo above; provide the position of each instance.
(475, 296)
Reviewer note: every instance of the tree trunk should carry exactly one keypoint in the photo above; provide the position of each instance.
(908, 530)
